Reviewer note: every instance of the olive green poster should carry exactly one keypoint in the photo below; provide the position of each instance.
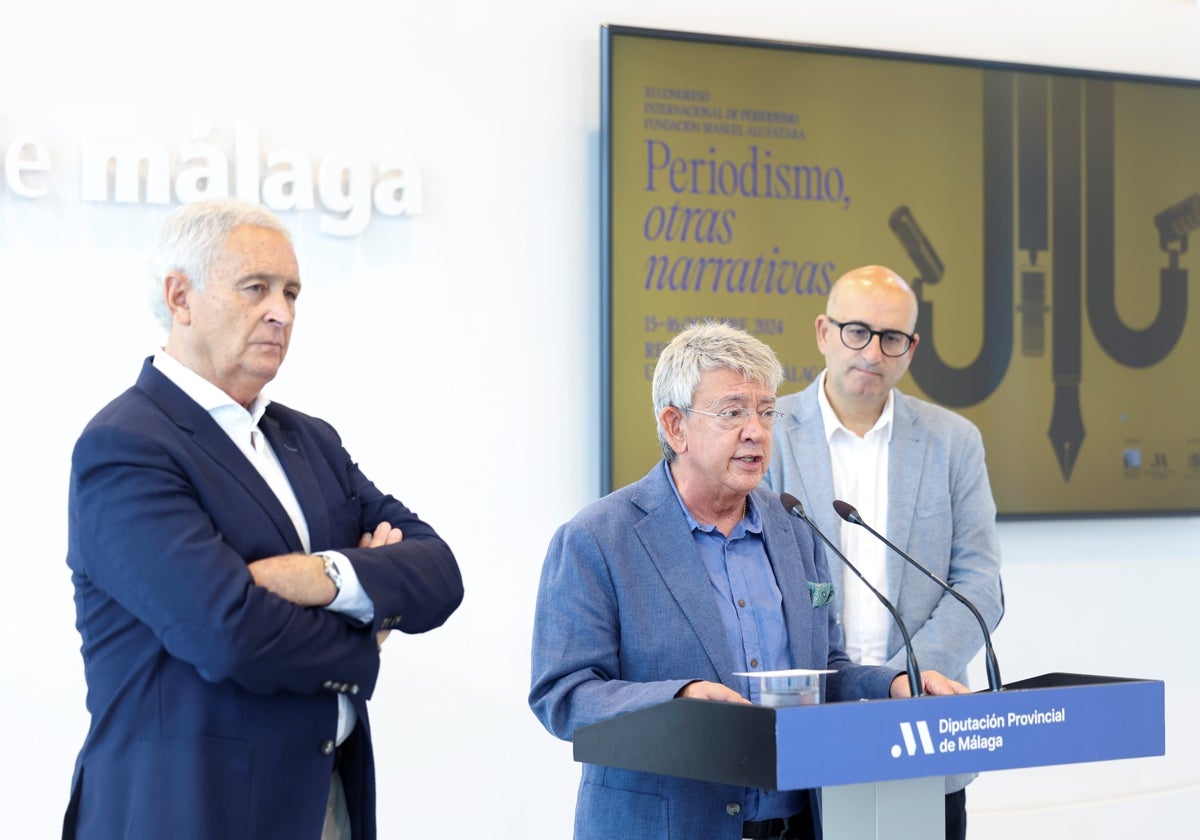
(1042, 216)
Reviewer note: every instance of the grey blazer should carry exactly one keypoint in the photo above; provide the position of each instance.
(940, 511)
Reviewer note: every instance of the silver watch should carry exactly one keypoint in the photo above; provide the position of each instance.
(331, 572)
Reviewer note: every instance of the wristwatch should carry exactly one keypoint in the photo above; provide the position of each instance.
(331, 572)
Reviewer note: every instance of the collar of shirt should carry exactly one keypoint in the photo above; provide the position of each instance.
(833, 424)
(751, 523)
(236, 421)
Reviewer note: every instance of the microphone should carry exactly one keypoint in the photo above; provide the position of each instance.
(792, 505)
(848, 512)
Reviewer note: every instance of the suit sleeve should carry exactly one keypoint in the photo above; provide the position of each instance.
(577, 676)
(415, 584)
(141, 535)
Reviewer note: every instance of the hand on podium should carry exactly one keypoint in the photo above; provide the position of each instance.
(932, 682)
(705, 690)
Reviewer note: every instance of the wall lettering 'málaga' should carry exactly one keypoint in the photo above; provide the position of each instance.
(348, 188)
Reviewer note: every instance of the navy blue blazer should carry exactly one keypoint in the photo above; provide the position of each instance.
(214, 702)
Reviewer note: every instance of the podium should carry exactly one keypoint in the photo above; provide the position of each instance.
(882, 762)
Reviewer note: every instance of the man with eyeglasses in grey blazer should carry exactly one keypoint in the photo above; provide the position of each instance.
(914, 471)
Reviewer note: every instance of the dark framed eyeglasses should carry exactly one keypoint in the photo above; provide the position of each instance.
(856, 335)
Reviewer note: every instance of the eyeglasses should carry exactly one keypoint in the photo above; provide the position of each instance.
(736, 418)
(857, 335)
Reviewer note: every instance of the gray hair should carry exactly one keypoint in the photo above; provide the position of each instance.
(193, 236)
(709, 345)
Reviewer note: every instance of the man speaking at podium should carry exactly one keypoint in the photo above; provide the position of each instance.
(913, 470)
(235, 572)
(668, 587)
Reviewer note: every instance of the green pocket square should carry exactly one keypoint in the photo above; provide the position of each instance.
(821, 593)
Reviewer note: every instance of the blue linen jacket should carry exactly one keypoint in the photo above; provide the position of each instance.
(626, 617)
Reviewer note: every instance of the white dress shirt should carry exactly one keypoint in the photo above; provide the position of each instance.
(860, 474)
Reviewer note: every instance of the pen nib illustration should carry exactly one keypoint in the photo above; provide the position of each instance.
(1066, 427)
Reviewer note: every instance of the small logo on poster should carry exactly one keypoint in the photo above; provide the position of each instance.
(1159, 466)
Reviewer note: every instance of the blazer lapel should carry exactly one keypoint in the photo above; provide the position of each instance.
(905, 462)
(665, 535)
(779, 537)
(298, 469)
(194, 421)
(807, 438)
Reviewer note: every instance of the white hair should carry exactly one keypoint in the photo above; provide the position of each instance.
(193, 236)
(709, 345)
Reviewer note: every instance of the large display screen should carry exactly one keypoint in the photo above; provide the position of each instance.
(1042, 216)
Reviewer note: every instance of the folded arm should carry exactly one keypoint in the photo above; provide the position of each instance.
(146, 533)
(301, 578)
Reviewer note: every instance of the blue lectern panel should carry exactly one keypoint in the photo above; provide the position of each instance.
(845, 743)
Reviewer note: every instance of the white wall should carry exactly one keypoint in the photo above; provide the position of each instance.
(457, 352)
